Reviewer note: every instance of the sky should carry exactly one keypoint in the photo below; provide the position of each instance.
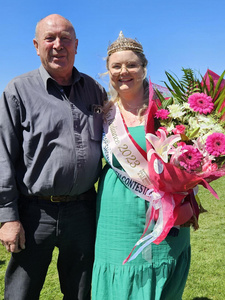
(175, 34)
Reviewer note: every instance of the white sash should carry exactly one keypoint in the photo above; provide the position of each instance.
(116, 141)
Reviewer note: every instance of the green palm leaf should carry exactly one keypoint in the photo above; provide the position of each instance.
(218, 84)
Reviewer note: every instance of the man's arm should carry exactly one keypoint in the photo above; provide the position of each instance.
(11, 232)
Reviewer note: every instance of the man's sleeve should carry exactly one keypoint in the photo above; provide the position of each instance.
(10, 152)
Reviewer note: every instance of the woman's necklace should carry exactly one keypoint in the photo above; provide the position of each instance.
(131, 116)
(130, 107)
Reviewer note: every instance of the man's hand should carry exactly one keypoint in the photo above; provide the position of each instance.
(12, 236)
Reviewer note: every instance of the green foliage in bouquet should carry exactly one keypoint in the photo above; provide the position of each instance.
(190, 84)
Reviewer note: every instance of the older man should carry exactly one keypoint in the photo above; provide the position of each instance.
(50, 158)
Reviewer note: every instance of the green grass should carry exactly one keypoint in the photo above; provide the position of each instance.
(207, 272)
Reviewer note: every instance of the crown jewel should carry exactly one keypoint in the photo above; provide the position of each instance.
(122, 43)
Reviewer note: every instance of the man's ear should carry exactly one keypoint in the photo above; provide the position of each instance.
(76, 45)
(36, 46)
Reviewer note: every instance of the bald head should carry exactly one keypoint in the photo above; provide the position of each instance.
(52, 19)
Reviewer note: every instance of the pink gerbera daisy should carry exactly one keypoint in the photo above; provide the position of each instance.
(162, 114)
(201, 103)
(191, 158)
(215, 144)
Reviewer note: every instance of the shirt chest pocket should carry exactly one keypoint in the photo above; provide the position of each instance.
(95, 125)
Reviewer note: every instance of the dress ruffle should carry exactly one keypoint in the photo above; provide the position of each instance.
(141, 282)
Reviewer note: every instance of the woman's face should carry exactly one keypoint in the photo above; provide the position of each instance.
(126, 72)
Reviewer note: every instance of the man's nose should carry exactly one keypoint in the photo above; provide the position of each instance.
(58, 44)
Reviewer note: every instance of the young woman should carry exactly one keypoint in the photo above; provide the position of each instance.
(121, 211)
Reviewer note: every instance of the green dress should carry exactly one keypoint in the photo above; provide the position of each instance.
(120, 224)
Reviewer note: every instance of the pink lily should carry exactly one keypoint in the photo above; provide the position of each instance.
(162, 145)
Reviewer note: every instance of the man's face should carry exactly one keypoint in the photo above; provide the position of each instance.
(56, 45)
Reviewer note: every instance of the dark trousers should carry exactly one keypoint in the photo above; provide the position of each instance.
(68, 226)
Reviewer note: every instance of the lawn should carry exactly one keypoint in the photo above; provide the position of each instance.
(207, 272)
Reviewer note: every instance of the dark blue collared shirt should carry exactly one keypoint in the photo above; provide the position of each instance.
(49, 143)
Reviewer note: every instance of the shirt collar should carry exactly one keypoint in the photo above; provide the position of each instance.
(46, 77)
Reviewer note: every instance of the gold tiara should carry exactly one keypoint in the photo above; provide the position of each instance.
(122, 43)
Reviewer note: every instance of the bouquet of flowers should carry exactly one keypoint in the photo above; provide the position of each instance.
(193, 119)
(186, 149)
